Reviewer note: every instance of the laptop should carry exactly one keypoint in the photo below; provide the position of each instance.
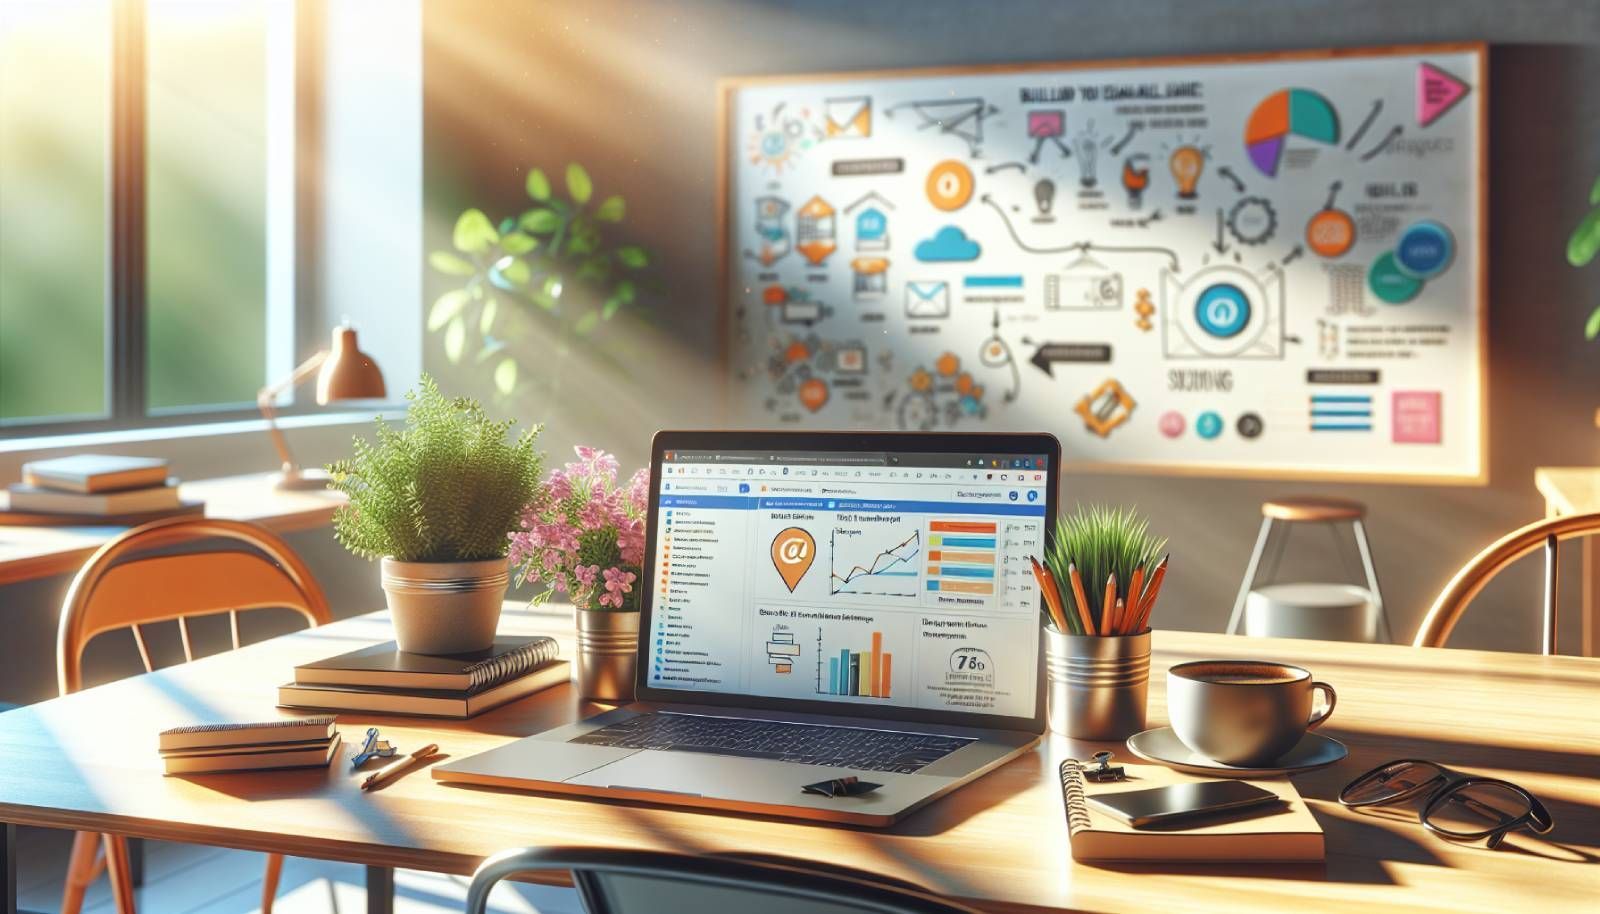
(819, 606)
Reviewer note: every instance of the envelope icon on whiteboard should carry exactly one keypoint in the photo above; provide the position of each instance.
(848, 117)
(927, 298)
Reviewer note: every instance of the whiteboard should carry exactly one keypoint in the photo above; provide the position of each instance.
(1267, 265)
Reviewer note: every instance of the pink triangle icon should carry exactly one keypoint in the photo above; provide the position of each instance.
(1437, 93)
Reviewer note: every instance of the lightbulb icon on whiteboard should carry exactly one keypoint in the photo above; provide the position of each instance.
(1187, 163)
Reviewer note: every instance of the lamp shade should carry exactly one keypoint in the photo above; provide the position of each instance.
(349, 373)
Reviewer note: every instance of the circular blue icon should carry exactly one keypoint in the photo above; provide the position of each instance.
(1209, 425)
(1013, 495)
(1222, 310)
(1425, 249)
(1033, 494)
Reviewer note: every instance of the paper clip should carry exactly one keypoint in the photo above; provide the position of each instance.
(1103, 771)
(372, 747)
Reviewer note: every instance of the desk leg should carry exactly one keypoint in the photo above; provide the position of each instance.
(380, 890)
(8, 868)
(136, 861)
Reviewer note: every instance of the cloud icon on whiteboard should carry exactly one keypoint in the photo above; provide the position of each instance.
(948, 244)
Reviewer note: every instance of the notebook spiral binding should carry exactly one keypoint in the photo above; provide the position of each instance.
(284, 722)
(495, 670)
(1072, 795)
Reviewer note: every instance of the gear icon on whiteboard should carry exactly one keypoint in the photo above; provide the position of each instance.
(1252, 220)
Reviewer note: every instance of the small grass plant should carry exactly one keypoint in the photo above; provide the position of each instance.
(1101, 541)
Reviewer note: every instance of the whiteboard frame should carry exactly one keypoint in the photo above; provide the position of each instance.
(727, 88)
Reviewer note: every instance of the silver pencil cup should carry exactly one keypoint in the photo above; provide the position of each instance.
(1097, 685)
(608, 643)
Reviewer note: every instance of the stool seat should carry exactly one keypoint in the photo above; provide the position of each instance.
(1313, 508)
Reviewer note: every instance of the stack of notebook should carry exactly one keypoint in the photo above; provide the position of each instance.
(299, 742)
(387, 680)
(98, 487)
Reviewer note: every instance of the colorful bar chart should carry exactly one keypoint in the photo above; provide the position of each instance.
(961, 556)
(863, 674)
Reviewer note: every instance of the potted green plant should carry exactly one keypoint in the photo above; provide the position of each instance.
(1582, 248)
(1100, 582)
(436, 501)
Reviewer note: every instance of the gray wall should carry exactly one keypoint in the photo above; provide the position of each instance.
(627, 88)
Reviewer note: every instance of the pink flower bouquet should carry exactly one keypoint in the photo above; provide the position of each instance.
(583, 535)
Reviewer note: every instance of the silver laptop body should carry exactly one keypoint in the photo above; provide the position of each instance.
(819, 607)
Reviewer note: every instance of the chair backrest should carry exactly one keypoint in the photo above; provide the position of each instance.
(117, 589)
(649, 882)
(1546, 534)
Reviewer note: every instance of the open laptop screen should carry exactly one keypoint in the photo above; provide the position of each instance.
(886, 579)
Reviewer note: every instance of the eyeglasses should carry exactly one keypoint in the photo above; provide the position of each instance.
(1456, 805)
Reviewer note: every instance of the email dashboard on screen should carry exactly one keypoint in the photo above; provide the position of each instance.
(897, 580)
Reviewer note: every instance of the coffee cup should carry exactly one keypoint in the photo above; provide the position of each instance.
(1247, 713)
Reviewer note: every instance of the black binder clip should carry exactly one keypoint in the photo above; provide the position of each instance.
(841, 787)
(1103, 772)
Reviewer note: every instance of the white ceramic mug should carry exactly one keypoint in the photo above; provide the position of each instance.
(1243, 712)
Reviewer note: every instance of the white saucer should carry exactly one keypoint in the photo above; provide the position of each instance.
(1162, 745)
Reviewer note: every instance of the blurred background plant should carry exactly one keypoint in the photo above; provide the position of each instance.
(1582, 248)
(552, 265)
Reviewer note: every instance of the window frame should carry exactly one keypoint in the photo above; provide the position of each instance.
(126, 350)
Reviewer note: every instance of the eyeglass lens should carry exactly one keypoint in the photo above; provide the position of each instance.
(1477, 809)
(1391, 781)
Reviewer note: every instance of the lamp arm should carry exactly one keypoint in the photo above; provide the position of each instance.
(266, 402)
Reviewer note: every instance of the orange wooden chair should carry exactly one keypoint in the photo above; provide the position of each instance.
(118, 589)
(1452, 601)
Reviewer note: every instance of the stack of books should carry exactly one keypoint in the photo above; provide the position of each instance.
(104, 488)
(298, 742)
(386, 680)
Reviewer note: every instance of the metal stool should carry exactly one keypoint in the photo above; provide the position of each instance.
(1329, 511)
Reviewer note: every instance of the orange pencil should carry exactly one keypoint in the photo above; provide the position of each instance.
(1109, 605)
(1052, 598)
(1080, 601)
(1142, 619)
(1119, 616)
(1132, 604)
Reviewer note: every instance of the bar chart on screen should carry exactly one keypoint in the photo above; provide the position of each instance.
(864, 673)
(961, 557)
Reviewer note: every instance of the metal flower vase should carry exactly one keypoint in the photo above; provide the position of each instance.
(608, 642)
(1097, 685)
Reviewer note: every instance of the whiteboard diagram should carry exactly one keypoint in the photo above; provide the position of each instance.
(1253, 265)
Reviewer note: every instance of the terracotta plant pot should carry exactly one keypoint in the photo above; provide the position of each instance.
(445, 607)
(608, 643)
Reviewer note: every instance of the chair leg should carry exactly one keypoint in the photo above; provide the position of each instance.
(80, 871)
(1249, 576)
(269, 882)
(1365, 548)
(120, 872)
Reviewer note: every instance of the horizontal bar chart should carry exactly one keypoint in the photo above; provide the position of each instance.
(961, 557)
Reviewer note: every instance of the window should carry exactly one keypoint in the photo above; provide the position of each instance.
(148, 182)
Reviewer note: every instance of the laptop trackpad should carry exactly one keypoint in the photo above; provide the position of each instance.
(733, 778)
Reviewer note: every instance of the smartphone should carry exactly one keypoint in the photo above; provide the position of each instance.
(1166, 805)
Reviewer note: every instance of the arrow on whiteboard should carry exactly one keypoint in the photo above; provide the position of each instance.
(1293, 255)
(1048, 354)
(1233, 179)
(1218, 244)
(1126, 139)
(1388, 138)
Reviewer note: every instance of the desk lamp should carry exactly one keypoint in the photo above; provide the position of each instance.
(344, 372)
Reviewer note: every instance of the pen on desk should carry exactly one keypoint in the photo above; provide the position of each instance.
(392, 770)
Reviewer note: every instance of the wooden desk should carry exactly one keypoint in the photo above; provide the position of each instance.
(89, 761)
(1576, 490)
(38, 552)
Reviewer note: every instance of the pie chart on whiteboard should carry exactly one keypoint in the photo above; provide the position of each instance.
(1285, 113)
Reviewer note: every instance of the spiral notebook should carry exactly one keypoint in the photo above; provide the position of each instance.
(1289, 834)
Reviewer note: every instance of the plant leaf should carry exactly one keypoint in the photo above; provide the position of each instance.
(487, 315)
(578, 184)
(1594, 193)
(505, 376)
(474, 234)
(518, 243)
(587, 323)
(609, 309)
(595, 269)
(583, 243)
(633, 256)
(455, 340)
(540, 221)
(1592, 328)
(507, 224)
(613, 209)
(538, 185)
(624, 291)
(517, 271)
(447, 307)
(446, 262)
(1585, 241)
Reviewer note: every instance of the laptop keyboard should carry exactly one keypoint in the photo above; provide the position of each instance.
(808, 744)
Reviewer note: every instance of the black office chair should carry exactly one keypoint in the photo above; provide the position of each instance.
(647, 882)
